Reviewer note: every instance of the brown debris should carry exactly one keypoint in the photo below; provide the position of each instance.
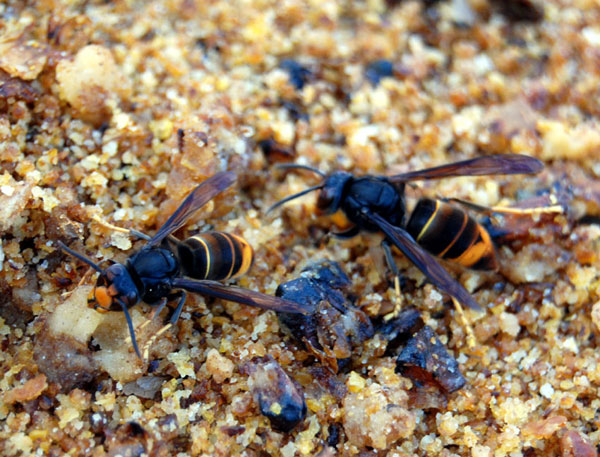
(59, 226)
(574, 444)
(427, 397)
(144, 387)
(377, 416)
(278, 396)
(17, 316)
(328, 382)
(64, 360)
(12, 202)
(336, 327)
(22, 58)
(69, 33)
(88, 81)
(17, 88)
(276, 152)
(22, 300)
(129, 439)
(545, 428)
(424, 359)
(520, 10)
(28, 391)
(448, 81)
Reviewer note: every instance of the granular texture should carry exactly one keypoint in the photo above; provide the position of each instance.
(111, 112)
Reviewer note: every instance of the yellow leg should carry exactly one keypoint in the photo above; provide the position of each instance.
(85, 276)
(471, 341)
(397, 301)
(155, 312)
(527, 211)
(116, 228)
(392, 266)
(108, 225)
(140, 327)
(553, 207)
(153, 338)
(83, 279)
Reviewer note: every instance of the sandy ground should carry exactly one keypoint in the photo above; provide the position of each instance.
(110, 112)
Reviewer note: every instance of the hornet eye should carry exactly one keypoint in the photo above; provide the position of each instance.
(327, 199)
(101, 281)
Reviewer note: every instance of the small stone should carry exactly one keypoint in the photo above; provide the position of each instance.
(371, 418)
(220, 367)
(87, 81)
(298, 74)
(425, 359)
(279, 397)
(547, 391)
(509, 324)
(336, 327)
(379, 69)
(355, 382)
(575, 444)
(21, 58)
(596, 315)
(481, 451)
(545, 428)
(28, 391)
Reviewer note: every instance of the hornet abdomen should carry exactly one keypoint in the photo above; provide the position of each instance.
(450, 233)
(215, 255)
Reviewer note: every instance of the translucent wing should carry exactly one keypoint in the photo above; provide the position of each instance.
(201, 195)
(500, 164)
(240, 295)
(425, 262)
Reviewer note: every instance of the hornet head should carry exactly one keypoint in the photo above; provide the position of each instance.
(331, 189)
(115, 290)
(113, 287)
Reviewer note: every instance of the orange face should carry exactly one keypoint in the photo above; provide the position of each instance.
(99, 299)
(102, 296)
(114, 290)
(341, 221)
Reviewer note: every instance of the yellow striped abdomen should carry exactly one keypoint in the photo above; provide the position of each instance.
(450, 233)
(215, 255)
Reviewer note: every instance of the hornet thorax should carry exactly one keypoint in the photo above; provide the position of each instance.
(154, 269)
(354, 196)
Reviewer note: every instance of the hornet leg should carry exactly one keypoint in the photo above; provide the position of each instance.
(394, 269)
(471, 341)
(110, 226)
(182, 296)
(130, 326)
(550, 207)
(155, 312)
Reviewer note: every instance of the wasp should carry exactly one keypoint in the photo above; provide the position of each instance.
(165, 267)
(434, 228)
